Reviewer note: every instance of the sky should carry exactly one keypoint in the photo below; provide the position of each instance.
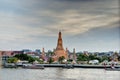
(86, 25)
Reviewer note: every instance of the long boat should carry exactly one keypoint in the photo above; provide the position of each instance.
(110, 69)
(33, 66)
(68, 66)
(9, 65)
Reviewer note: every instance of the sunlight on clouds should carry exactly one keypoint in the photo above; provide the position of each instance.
(74, 22)
(71, 22)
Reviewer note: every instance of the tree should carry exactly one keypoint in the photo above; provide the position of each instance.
(69, 60)
(105, 58)
(12, 60)
(51, 60)
(25, 57)
(31, 59)
(61, 59)
(50, 53)
(118, 58)
(92, 57)
(82, 57)
(22, 56)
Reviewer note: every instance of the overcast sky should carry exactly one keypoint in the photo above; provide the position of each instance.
(87, 25)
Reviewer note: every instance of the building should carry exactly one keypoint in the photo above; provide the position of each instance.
(5, 55)
(38, 51)
(74, 55)
(59, 51)
(43, 55)
(16, 52)
(26, 51)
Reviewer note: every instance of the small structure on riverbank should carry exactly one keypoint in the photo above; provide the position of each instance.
(93, 62)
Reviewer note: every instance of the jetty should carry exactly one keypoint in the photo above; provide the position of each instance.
(78, 65)
(7, 65)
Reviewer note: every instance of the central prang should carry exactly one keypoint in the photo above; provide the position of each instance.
(59, 51)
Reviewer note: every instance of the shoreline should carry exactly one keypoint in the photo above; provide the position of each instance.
(78, 65)
(65, 65)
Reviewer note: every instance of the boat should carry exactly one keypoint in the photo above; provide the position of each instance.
(33, 66)
(110, 69)
(9, 65)
(68, 66)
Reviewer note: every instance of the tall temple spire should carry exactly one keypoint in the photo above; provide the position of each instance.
(59, 43)
(59, 51)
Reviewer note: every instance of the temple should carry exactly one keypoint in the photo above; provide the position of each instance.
(59, 51)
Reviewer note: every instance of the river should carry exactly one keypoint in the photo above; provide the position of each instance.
(58, 74)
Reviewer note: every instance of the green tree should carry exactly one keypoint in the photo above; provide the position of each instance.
(12, 60)
(60, 59)
(82, 57)
(50, 53)
(69, 60)
(51, 60)
(31, 59)
(22, 56)
(119, 58)
(105, 58)
(25, 57)
(92, 57)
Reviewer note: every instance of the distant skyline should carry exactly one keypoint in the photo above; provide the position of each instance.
(86, 25)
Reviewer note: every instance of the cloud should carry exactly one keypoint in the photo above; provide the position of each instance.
(73, 22)
(28, 21)
(48, 22)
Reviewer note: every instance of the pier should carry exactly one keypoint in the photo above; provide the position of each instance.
(78, 65)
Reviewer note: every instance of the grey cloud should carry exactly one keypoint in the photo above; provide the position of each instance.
(28, 20)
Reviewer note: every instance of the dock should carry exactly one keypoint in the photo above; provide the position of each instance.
(65, 65)
(78, 65)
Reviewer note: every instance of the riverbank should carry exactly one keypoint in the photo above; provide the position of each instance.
(78, 65)
(69, 65)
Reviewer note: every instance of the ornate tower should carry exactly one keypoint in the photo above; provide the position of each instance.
(74, 55)
(59, 44)
(59, 51)
(43, 54)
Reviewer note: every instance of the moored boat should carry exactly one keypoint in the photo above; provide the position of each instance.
(110, 69)
(33, 66)
(9, 65)
(68, 66)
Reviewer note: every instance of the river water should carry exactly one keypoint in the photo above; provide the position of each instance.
(58, 74)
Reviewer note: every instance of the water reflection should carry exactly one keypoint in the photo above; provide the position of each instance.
(58, 74)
